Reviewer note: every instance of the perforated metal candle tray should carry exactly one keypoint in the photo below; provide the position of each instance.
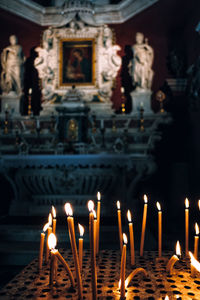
(29, 284)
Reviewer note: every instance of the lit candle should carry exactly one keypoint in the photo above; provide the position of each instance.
(196, 246)
(119, 225)
(92, 249)
(122, 89)
(199, 204)
(194, 262)
(123, 266)
(91, 209)
(98, 219)
(55, 254)
(159, 229)
(70, 221)
(51, 244)
(131, 235)
(95, 232)
(54, 219)
(143, 225)
(49, 231)
(80, 245)
(30, 91)
(40, 259)
(186, 226)
(174, 259)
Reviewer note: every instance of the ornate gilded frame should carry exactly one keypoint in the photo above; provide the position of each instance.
(79, 43)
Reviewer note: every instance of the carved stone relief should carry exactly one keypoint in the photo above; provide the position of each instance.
(105, 64)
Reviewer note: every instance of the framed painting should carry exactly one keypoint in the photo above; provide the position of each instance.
(77, 62)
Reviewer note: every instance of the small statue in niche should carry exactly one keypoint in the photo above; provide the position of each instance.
(141, 64)
(12, 61)
(72, 130)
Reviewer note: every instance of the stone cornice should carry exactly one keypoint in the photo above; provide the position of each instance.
(46, 16)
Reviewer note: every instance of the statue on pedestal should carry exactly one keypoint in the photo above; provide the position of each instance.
(141, 65)
(140, 69)
(12, 61)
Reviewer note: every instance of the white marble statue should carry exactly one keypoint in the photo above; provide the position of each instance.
(12, 61)
(141, 65)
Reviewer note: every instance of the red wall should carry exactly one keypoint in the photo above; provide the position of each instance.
(159, 23)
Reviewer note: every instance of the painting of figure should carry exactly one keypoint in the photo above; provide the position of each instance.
(77, 62)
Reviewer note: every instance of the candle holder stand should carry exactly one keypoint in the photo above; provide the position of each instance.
(29, 104)
(160, 97)
(142, 119)
(6, 124)
(153, 282)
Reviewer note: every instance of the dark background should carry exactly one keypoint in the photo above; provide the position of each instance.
(168, 24)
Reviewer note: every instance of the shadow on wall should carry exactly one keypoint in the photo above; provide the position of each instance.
(31, 81)
(126, 80)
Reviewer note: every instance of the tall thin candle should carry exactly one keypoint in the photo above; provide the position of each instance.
(143, 225)
(40, 259)
(119, 225)
(123, 266)
(131, 234)
(98, 219)
(80, 245)
(186, 226)
(49, 231)
(159, 229)
(54, 219)
(196, 246)
(70, 221)
(92, 250)
(52, 241)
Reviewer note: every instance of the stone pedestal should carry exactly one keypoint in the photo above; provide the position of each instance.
(10, 102)
(141, 97)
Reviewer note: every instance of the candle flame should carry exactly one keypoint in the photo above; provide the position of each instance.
(158, 206)
(166, 297)
(145, 199)
(118, 204)
(126, 283)
(52, 241)
(68, 209)
(50, 219)
(194, 262)
(98, 196)
(90, 205)
(178, 248)
(125, 238)
(199, 204)
(45, 227)
(81, 229)
(94, 213)
(53, 212)
(129, 216)
(196, 228)
(186, 203)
